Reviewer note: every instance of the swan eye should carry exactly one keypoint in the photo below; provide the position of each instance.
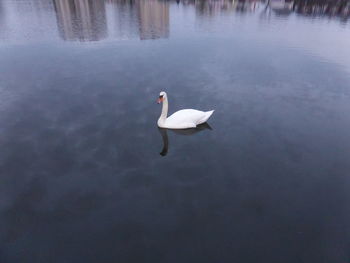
(161, 96)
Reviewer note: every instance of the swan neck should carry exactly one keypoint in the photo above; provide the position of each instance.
(164, 110)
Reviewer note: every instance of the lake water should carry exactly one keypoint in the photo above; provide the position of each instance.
(81, 174)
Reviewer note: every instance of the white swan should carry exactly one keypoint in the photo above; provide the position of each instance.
(182, 119)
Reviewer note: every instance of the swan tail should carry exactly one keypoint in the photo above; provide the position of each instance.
(207, 116)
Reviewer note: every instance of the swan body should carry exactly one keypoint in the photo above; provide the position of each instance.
(182, 119)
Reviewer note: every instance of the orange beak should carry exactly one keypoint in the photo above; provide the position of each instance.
(160, 100)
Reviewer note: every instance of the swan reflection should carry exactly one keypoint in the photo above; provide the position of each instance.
(164, 133)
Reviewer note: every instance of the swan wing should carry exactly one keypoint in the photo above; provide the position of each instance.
(187, 118)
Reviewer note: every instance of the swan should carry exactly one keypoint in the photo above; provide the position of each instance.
(182, 119)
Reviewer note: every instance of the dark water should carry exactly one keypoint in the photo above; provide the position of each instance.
(81, 177)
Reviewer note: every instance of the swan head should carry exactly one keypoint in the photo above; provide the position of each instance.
(162, 97)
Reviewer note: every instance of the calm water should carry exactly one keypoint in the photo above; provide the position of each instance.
(81, 174)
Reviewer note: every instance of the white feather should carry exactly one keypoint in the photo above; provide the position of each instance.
(182, 119)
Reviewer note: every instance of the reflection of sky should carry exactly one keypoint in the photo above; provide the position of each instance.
(36, 21)
(122, 19)
(28, 21)
(323, 37)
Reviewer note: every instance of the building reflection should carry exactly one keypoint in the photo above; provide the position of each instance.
(2, 13)
(153, 18)
(149, 18)
(83, 20)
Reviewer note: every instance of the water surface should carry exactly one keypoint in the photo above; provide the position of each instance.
(81, 174)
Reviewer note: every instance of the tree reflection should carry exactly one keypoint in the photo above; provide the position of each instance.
(323, 7)
(339, 8)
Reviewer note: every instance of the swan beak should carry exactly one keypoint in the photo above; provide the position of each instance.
(159, 100)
